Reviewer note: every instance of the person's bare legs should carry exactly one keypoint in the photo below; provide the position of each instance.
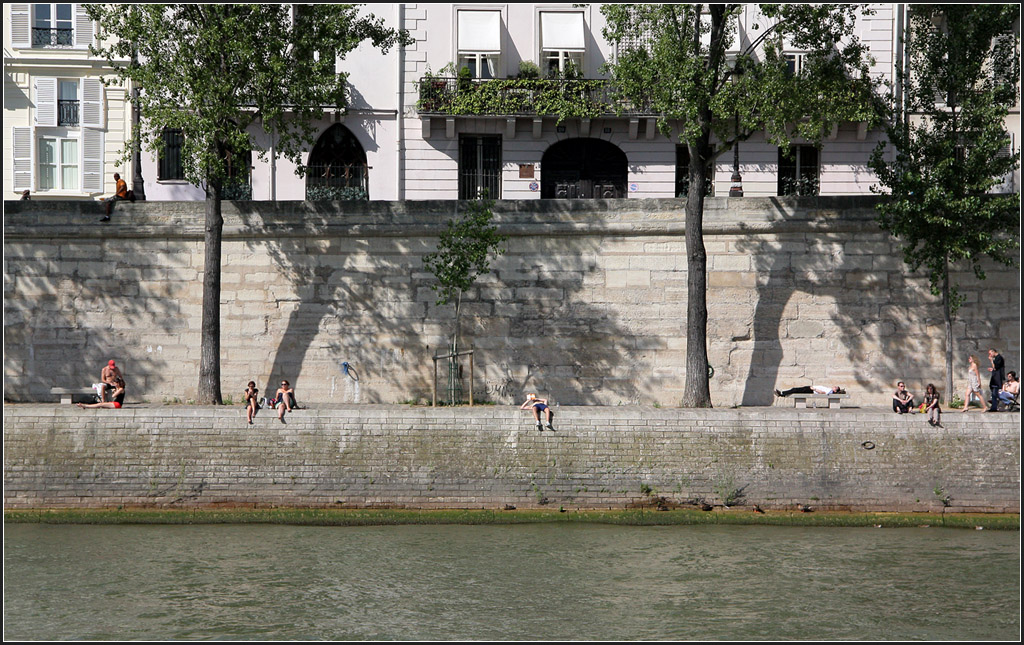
(106, 404)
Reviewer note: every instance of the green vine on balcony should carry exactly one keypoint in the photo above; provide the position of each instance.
(563, 98)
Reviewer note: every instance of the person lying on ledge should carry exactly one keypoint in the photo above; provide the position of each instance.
(811, 389)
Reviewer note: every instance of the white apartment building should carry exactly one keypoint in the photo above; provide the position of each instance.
(399, 139)
(63, 129)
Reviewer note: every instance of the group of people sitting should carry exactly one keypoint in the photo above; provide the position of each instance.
(283, 401)
(110, 389)
(1003, 390)
(903, 402)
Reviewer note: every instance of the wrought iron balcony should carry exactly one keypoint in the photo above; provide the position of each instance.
(46, 37)
(565, 98)
(67, 112)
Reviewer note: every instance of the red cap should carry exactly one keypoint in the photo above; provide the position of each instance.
(111, 363)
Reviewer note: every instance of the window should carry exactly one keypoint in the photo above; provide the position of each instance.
(53, 25)
(170, 164)
(67, 103)
(798, 170)
(562, 43)
(479, 167)
(479, 40)
(683, 174)
(58, 164)
(337, 168)
(794, 63)
(238, 184)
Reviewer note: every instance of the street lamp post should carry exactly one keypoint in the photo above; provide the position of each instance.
(138, 183)
(736, 181)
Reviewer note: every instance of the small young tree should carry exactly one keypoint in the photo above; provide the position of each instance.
(692, 66)
(213, 71)
(464, 251)
(948, 146)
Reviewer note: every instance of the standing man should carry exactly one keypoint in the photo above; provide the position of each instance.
(120, 193)
(995, 382)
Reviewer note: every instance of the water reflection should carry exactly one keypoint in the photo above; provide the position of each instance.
(521, 582)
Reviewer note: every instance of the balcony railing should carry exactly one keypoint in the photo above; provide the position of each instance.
(67, 112)
(46, 37)
(564, 98)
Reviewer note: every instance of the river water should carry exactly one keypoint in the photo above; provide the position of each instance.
(522, 582)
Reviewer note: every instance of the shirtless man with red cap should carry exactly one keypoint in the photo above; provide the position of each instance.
(111, 376)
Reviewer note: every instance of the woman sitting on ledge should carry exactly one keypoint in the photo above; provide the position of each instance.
(811, 389)
(117, 398)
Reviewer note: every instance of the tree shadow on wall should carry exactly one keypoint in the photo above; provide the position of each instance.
(830, 290)
(363, 297)
(76, 303)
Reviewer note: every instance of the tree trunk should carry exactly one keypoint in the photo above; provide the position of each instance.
(697, 391)
(209, 362)
(948, 319)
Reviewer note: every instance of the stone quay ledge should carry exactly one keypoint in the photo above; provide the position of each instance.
(493, 457)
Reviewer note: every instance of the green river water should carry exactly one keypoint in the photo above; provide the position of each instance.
(515, 582)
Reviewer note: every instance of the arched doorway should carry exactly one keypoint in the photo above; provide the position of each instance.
(583, 169)
(337, 167)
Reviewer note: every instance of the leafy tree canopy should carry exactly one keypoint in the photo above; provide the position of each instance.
(212, 70)
(463, 251)
(948, 145)
(691, 64)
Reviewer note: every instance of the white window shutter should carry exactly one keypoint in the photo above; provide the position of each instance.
(21, 25)
(92, 103)
(83, 28)
(22, 158)
(92, 160)
(46, 102)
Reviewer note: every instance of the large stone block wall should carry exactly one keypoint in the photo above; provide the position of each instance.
(490, 457)
(587, 306)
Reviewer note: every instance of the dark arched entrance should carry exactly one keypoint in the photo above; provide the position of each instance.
(337, 167)
(583, 169)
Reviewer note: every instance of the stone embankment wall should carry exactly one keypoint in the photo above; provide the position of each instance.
(587, 306)
(490, 457)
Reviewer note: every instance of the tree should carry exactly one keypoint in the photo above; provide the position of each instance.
(690, 64)
(216, 71)
(946, 124)
(463, 253)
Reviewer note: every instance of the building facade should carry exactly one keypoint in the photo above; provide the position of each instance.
(402, 139)
(63, 128)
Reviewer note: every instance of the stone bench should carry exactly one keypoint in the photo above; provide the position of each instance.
(66, 393)
(835, 401)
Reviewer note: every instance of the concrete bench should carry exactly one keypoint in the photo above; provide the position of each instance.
(66, 393)
(835, 401)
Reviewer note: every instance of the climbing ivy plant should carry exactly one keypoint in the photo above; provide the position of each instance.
(564, 98)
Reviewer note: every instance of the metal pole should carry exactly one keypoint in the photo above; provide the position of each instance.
(470, 378)
(434, 404)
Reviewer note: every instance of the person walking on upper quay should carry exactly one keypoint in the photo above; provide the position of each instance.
(539, 406)
(973, 384)
(995, 381)
(811, 389)
(931, 405)
(285, 398)
(902, 400)
(120, 194)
